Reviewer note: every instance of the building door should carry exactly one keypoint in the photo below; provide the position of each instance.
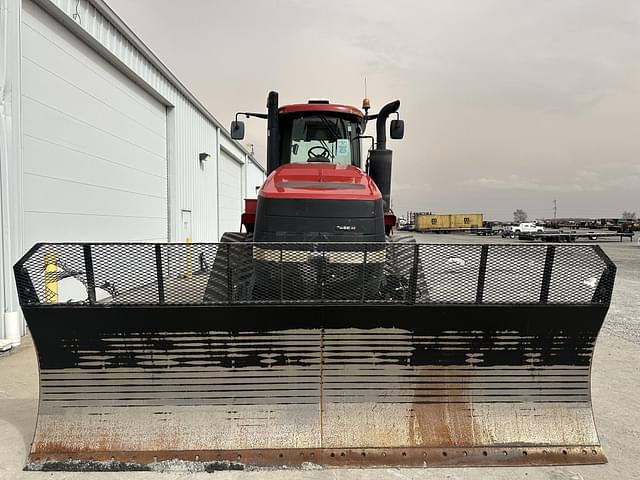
(230, 194)
(94, 143)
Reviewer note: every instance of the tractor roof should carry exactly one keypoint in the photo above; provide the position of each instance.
(321, 107)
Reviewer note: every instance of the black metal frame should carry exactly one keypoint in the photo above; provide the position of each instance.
(28, 286)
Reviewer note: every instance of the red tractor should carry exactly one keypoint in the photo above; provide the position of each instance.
(314, 338)
(319, 188)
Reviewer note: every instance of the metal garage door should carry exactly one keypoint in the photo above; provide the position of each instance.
(94, 143)
(230, 184)
(255, 179)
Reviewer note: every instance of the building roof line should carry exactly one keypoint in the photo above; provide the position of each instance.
(104, 9)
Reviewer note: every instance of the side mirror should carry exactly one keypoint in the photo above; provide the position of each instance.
(237, 130)
(397, 129)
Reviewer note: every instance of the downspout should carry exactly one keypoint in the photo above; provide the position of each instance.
(9, 320)
(218, 182)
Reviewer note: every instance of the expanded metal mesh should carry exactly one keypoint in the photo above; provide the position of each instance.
(406, 273)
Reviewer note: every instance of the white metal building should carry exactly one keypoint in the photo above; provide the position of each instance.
(99, 141)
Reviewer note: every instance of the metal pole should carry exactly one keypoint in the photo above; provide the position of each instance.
(159, 274)
(484, 254)
(281, 277)
(50, 276)
(364, 271)
(229, 282)
(322, 276)
(413, 277)
(546, 275)
(88, 267)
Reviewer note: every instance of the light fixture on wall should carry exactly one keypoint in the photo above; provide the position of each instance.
(204, 157)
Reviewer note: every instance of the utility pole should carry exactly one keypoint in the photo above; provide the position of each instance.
(555, 209)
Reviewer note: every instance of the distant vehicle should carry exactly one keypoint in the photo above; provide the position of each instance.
(403, 224)
(528, 228)
(490, 228)
(513, 231)
(507, 230)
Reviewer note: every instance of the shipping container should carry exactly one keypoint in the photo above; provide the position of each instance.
(426, 222)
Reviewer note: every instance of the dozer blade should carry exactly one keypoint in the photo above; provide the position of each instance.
(435, 355)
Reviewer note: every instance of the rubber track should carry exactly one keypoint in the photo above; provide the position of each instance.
(237, 261)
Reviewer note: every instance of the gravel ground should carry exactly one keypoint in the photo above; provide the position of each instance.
(616, 399)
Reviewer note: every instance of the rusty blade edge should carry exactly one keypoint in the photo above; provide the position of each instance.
(327, 457)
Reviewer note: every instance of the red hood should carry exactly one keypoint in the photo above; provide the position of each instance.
(320, 180)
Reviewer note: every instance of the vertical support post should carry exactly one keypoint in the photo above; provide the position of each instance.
(281, 276)
(546, 275)
(482, 274)
(189, 270)
(322, 275)
(413, 277)
(173, 231)
(50, 277)
(159, 275)
(229, 279)
(218, 232)
(88, 267)
(364, 272)
(11, 161)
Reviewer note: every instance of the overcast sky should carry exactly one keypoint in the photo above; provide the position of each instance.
(508, 104)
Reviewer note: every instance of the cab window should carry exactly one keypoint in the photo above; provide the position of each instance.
(320, 138)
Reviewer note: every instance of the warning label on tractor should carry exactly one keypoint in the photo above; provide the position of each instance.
(343, 147)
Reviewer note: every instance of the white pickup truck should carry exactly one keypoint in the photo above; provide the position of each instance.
(514, 230)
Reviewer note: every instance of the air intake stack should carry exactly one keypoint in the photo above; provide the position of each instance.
(380, 157)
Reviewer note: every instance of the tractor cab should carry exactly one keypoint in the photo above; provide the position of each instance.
(317, 132)
(318, 187)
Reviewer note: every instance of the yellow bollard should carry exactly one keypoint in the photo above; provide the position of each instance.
(50, 277)
(189, 258)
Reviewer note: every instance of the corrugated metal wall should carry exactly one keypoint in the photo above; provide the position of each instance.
(191, 129)
(96, 25)
(94, 144)
(192, 185)
(254, 178)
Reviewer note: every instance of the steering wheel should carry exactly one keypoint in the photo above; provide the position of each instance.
(321, 154)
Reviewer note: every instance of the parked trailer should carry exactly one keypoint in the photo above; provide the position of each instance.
(477, 231)
(572, 236)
